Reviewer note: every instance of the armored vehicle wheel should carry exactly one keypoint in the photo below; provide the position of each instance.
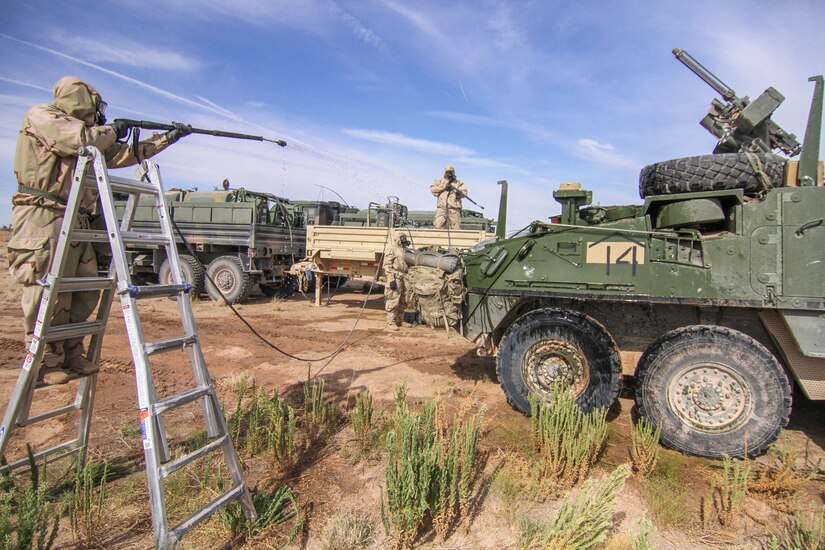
(711, 173)
(714, 391)
(547, 347)
(229, 276)
(190, 269)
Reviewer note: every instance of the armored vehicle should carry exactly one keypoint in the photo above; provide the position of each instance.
(712, 292)
(240, 237)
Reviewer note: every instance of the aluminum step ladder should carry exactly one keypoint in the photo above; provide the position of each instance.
(90, 172)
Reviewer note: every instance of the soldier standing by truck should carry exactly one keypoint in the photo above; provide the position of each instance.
(449, 190)
(394, 292)
(44, 166)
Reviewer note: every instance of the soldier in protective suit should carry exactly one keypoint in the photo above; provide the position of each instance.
(394, 293)
(44, 164)
(449, 190)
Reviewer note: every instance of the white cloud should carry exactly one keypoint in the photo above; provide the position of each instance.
(361, 32)
(127, 53)
(602, 153)
(406, 142)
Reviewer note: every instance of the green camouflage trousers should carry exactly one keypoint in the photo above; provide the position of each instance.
(31, 250)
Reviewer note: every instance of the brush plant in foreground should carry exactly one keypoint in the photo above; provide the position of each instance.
(568, 440)
(582, 521)
(430, 473)
(644, 447)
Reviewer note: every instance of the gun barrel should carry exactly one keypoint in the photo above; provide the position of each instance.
(699, 70)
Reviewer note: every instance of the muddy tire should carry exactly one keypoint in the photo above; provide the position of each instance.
(190, 269)
(711, 173)
(228, 274)
(546, 347)
(714, 391)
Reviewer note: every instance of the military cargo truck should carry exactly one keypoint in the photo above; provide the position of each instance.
(712, 292)
(239, 237)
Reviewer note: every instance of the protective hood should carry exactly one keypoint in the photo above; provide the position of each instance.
(76, 98)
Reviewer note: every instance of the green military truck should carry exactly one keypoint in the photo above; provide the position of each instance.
(711, 293)
(239, 237)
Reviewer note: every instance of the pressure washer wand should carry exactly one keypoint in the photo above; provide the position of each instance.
(149, 125)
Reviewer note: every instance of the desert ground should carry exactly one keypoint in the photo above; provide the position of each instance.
(332, 476)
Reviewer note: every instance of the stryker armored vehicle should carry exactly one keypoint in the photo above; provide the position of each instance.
(712, 292)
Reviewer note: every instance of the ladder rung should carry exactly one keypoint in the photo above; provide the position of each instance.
(49, 414)
(73, 330)
(192, 521)
(169, 344)
(174, 466)
(70, 447)
(89, 235)
(180, 399)
(154, 291)
(79, 284)
(142, 238)
(132, 187)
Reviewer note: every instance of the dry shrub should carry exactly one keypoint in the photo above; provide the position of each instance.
(777, 482)
(347, 531)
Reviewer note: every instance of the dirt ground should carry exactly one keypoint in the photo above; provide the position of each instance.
(330, 479)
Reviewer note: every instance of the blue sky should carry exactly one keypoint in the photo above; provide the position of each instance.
(376, 96)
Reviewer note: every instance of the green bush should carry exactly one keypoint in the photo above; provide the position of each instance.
(568, 440)
(362, 419)
(582, 521)
(644, 447)
(429, 474)
(88, 500)
(27, 518)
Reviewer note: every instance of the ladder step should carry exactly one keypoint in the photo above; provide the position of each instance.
(192, 521)
(181, 399)
(142, 238)
(169, 344)
(89, 235)
(132, 187)
(175, 465)
(80, 284)
(128, 237)
(49, 414)
(73, 330)
(155, 291)
(67, 448)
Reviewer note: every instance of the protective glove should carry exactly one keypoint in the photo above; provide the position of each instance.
(449, 187)
(120, 127)
(178, 132)
(394, 284)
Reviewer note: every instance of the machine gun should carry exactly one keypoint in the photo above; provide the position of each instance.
(740, 124)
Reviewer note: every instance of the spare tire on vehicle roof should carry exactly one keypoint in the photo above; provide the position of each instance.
(713, 173)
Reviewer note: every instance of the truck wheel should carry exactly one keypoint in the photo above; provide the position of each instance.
(229, 276)
(714, 391)
(190, 269)
(711, 173)
(548, 347)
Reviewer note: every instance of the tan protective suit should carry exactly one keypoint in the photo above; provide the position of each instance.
(395, 300)
(45, 161)
(448, 206)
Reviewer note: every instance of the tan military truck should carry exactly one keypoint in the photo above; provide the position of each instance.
(335, 253)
